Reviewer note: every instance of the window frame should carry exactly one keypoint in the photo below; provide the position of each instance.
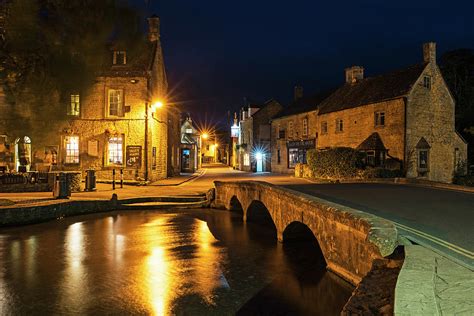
(76, 112)
(120, 104)
(379, 118)
(116, 57)
(339, 125)
(324, 127)
(426, 166)
(71, 155)
(290, 129)
(109, 156)
(427, 82)
(304, 132)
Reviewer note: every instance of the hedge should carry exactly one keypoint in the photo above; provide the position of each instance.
(335, 163)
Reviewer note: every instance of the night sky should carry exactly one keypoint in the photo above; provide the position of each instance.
(218, 52)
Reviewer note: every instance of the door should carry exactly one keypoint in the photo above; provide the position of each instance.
(259, 157)
(186, 160)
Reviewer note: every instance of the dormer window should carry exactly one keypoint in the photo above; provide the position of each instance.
(120, 57)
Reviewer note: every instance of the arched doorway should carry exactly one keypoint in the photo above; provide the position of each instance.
(23, 154)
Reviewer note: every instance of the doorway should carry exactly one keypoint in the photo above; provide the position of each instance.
(23, 154)
(186, 161)
(260, 158)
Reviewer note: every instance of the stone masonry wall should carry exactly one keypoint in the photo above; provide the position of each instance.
(281, 144)
(430, 114)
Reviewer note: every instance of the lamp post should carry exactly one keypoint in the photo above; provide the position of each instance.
(156, 105)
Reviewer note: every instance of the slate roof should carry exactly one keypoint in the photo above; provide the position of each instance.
(304, 104)
(373, 142)
(372, 90)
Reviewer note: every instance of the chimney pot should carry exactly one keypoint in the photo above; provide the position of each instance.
(153, 28)
(429, 52)
(298, 92)
(354, 74)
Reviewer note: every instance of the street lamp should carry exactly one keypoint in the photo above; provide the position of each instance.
(154, 106)
(205, 136)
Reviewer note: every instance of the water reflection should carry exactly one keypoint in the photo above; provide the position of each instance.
(195, 263)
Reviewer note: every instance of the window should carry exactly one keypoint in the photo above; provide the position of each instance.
(207, 147)
(277, 131)
(339, 126)
(72, 149)
(246, 160)
(379, 118)
(324, 128)
(278, 156)
(120, 58)
(189, 130)
(153, 158)
(427, 82)
(74, 105)
(305, 127)
(423, 159)
(115, 102)
(292, 157)
(290, 129)
(115, 150)
(281, 134)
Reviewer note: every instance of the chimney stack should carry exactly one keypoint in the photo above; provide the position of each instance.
(354, 74)
(153, 28)
(429, 52)
(298, 92)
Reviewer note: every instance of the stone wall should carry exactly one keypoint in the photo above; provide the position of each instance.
(349, 239)
(281, 144)
(359, 124)
(430, 114)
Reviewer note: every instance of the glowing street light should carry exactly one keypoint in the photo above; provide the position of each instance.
(156, 105)
(205, 135)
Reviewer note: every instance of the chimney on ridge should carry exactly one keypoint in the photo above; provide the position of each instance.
(354, 74)
(298, 92)
(153, 28)
(429, 52)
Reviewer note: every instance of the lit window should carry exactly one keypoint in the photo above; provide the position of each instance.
(189, 130)
(120, 58)
(379, 119)
(305, 127)
(427, 82)
(290, 129)
(74, 105)
(246, 160)
(324, 128)
(339, 125)
(72, 149)
(115, 102)
(115, 150)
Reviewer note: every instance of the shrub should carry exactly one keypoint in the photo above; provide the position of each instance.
(371, 173)
(334, 163)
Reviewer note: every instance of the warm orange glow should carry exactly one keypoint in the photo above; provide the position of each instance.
(205, 135)
(156, 105)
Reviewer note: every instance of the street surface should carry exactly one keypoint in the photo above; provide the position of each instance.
(438, 218)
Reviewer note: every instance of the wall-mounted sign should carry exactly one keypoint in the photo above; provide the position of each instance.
(308, 143)
(134, 157)
(234, 131)
(93, 148)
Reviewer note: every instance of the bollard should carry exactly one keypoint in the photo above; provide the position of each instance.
(113, 179)
(121, 178)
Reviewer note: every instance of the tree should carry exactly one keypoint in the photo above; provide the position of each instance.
(52, 48)
(457, 67)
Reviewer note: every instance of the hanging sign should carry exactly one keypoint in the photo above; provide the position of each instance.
(134, 157)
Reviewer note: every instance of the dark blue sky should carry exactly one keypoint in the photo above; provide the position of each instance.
(217, 52)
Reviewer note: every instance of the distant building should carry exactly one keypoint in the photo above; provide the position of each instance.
(254, 145)
(123, 122)
(403, 119)
(189, 149)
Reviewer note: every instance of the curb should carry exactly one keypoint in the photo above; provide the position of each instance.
(194, 176)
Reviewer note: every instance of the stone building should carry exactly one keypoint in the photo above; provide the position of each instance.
(122, 122)
(294, 131)
(254, 145)
(403, 119)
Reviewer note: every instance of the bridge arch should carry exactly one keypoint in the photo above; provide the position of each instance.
(257, 212)
(236, 206)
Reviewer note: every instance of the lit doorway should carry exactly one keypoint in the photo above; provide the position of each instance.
(260, 158)
(186, 161)
(23, 154)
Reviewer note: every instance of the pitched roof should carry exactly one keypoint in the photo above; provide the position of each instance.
(373, 89)
(373, 142)
(304, 104)
(423, 144)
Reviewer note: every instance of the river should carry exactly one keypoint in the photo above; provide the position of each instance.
(199, 262)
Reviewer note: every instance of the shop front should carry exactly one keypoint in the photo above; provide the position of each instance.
(297, 151)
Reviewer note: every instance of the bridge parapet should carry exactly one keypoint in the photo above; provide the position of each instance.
(350, 239)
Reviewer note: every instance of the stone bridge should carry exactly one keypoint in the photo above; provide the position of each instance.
(350, 240)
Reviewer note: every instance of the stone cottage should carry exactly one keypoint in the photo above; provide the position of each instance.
(123, 122)
(403, 119)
